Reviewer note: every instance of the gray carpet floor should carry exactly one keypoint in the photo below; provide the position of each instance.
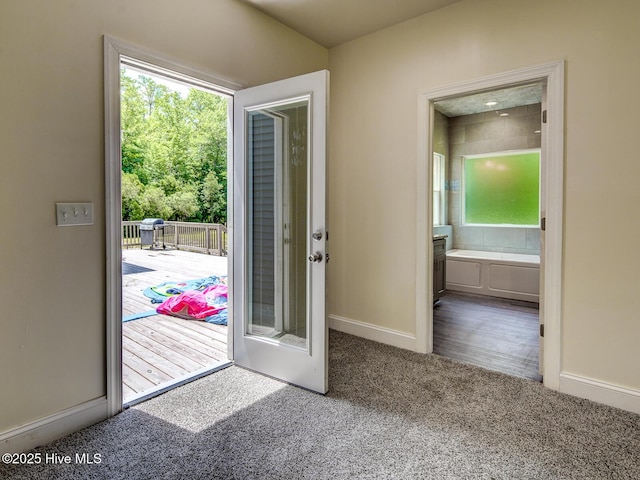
(390, 414)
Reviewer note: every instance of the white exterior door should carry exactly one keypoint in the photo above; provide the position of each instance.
(279, 230)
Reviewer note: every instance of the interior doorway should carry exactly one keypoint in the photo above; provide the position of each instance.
(551, 203)
(486, 201)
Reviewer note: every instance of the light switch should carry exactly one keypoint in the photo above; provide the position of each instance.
(70, 214)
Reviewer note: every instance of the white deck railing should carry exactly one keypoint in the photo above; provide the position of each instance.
(208, 238)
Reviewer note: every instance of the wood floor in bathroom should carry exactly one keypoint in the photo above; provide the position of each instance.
(493, 333)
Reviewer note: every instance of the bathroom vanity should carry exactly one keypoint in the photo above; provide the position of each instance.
(439, 266)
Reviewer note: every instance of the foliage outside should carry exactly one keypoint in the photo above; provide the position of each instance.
(174, 152)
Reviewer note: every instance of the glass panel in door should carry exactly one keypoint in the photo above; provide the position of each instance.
(277, 224)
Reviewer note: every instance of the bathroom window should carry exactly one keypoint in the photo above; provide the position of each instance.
(438, 189)
(502, 189)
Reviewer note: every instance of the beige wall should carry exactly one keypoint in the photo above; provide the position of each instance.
(373, 155)
(52, 300)
(52, 295)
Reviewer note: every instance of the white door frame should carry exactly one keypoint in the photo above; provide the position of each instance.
(553, 146)
(114, 52)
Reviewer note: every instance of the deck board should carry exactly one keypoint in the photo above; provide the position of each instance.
(165, 360)
(160, 350)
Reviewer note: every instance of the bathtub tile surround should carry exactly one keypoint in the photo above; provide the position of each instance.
(474, 132)
(468, 238)
(532, 241)
(481, 133)
(505, 237)
(488, 260)
(497, 239)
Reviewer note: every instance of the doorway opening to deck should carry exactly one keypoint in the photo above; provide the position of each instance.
(174, 149)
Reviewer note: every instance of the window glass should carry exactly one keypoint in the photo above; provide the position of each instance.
(438, 189)
(502, 188)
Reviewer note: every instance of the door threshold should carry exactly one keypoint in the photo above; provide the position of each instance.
(176, 383)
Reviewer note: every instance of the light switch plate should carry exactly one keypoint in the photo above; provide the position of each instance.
(71, 214)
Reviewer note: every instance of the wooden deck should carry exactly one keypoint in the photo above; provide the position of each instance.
(160, 351)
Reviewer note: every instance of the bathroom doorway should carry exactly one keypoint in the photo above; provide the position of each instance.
(486, 193)
(548, 79)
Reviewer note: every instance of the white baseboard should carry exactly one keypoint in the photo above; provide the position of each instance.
(55, 426)
(600, 392)
(373, 332)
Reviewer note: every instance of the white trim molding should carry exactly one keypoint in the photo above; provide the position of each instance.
(113, 225)
(600, 392)
(116, 53)
(369, 331)
(145, 59)
(55, 426)
(552, 74)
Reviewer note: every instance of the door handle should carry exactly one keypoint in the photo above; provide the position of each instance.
(316, 257)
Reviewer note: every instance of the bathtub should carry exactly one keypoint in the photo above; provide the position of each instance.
(506, 275)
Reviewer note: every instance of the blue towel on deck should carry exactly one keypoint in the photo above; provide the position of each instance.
(160, 293)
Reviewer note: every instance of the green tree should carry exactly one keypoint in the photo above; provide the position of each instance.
(132, 189)
(176, 148)
(184, 204)
(169, 184)
(133, 128)
(155, 203)
(214, 199)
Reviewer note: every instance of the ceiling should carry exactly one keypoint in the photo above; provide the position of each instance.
(333, 22)
(504, 98)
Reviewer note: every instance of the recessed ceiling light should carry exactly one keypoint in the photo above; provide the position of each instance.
(537, 131)
(491, 104)
(504, 114)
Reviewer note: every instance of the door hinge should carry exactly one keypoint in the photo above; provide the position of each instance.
(543, 224)
(544, 116)
(542, 329)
